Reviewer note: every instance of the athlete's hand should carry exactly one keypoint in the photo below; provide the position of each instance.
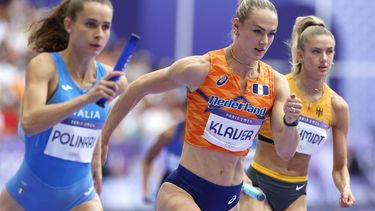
(292, 108)
(147, 199)
(247, 180)
(346, 199)
(105, 88)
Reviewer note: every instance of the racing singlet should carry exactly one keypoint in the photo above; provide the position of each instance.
(61, 155)
(219, 116)
(314, 122)
(174, 149)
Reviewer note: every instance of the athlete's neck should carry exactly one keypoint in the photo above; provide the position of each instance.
(311, 86)
(245, 70)
(250, 65)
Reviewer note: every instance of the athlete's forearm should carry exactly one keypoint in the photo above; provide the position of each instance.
(287, 142)
(284, 123)
(44, 117)
(96, 158)
(341, 178)
(146, 173)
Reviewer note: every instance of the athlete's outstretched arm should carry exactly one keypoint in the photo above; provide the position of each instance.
(36, 114)
(340, 172)
(162, 141)
(188, 72)
(287, 108)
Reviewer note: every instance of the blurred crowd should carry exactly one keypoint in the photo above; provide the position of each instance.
(14, 56)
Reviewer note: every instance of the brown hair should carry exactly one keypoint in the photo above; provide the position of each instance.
(49, 34)
(304, 28)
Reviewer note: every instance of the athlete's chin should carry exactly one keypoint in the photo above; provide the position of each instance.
(259, 54)
(323, 73)
(258, 57)
(94, 52)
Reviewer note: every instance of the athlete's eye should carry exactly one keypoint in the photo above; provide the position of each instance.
(257, 31)
(91, 24)
(106, 27)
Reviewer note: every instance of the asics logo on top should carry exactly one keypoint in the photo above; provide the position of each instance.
(232, 199)
(299, 187)
(66, 87)
(222, 80)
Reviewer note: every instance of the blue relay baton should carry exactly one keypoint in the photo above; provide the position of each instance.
(123, 61)
(253, 192)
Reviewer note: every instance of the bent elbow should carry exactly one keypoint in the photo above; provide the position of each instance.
(28, 130)
(27, 127)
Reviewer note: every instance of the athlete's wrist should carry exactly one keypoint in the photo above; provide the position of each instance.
(292, 124)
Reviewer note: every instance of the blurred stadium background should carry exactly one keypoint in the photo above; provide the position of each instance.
(171, 29)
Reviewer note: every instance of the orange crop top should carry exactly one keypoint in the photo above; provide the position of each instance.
(219, 116)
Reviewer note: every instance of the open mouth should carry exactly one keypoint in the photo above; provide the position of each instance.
(323, 68)
(95, 45)
(260, 49)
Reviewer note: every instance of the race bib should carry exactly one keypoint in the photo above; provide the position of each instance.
(313, 134)
(230, 131)
(73, 140)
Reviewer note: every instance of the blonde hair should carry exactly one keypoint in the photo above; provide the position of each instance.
(304, 28)
(246, 7)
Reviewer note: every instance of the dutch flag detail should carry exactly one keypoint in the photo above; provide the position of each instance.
(261, 89)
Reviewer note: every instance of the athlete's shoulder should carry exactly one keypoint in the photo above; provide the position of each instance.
(340, 111)
(42, 58)
(279, 77)
(190, 70)
(339, 104)
(196, 61)
(191, 67)
(42, 64)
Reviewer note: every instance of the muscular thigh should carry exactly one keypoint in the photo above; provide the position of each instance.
(92, 205)
(7, 203)
(249, 204)
(298, 205)
(172, 198)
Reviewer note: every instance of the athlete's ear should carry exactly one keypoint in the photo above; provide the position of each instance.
(68, 23)
(300, 55)
(236, 25)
